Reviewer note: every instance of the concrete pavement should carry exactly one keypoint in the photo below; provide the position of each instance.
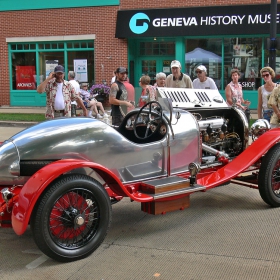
(41, 110)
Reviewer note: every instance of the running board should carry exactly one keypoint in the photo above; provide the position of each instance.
(164, 192)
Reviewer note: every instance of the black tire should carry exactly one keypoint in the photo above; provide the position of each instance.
(71, 218)
(269, 177)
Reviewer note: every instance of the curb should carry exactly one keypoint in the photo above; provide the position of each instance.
(16, 124)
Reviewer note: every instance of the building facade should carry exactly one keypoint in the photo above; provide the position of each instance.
(94, 38)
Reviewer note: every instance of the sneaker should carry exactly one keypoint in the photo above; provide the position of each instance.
(98, 116)
(105, 115)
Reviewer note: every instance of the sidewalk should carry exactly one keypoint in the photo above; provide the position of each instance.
(41, 110)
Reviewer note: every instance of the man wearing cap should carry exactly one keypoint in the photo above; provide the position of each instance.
(118, 97)
(60, 93)
(178, 79)
(202, 81)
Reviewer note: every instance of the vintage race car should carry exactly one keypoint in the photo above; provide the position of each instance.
(62, 176)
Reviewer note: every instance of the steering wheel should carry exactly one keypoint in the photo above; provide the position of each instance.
(148, 120)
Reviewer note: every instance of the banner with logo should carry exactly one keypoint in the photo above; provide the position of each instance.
(25, 77)
(203, 21)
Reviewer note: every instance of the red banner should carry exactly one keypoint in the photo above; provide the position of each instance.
(25, 77)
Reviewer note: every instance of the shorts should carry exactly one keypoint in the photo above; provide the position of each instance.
(267, 114)
(117, 120)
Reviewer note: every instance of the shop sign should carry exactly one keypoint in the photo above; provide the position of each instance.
(219, 20)
(25, 77)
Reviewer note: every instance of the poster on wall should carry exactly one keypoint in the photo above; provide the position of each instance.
(252, 68)
(50, 65)
(243, 50)
(25, 77)
(80, 68)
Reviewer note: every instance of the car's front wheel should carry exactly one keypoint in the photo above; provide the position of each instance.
(72, 218)
(269, 177)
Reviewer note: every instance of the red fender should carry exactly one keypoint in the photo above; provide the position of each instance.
(36, 184)
(243, 161)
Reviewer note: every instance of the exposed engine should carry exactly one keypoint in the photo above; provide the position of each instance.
(216, 137)
(223, 130)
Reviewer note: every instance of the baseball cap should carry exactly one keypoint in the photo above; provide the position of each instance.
(175, 63)
(121, 70)
(201, 68)
(59, 68)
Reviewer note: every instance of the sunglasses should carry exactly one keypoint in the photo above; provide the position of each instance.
(198, 72)
(265, 75)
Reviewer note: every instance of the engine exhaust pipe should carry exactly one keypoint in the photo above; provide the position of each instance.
(214, 151)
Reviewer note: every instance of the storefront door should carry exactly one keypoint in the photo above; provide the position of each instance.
(152, 66)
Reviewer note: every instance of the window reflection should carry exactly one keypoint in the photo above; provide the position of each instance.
(245, 55)
(207, 52)
(242, 53)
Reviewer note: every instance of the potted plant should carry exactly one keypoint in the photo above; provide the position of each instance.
(100, 92)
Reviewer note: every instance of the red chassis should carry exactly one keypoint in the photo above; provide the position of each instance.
(16, 213)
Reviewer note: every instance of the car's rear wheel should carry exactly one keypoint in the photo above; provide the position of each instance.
(269, 177)
(72, 218)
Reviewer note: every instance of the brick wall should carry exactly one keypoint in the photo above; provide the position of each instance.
(101, 21)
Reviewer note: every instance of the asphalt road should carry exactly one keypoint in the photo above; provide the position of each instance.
(227, 233)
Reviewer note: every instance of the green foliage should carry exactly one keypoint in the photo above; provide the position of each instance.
(22, 117)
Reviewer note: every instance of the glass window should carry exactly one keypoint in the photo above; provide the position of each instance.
(207, 52)
(148, 67)
(89, 56)
(157, 48)
(277, 64)
(24, 71)
(244, 54)
(49, 58)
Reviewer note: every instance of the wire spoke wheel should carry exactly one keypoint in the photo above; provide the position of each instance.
(72, 217)
(269, 177)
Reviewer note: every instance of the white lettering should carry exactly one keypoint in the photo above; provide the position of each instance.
(241, 19)
(179, 22)
(225, 20)
(156, 22)
(248, 84)
(163, 22)
(228, 20)
(193, 21)
(24, 85)
(251, 20)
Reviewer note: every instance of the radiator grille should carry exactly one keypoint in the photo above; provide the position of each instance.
(182, 97)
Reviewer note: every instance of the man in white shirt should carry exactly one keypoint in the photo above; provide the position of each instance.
(75, 84)
(202, 81)
(59, 93)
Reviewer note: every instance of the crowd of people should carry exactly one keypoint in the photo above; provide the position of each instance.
(63, 97)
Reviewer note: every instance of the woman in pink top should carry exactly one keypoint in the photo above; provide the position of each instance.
(148, 92)
(234, 90)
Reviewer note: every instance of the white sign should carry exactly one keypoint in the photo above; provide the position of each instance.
(80, 68)
(50, 65)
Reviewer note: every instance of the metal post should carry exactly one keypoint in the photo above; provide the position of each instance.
(273, 40)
